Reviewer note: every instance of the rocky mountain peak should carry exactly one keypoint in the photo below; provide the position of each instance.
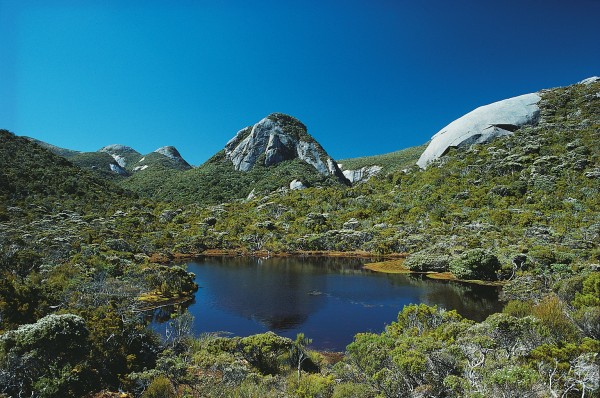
(121, 154)
(118, 149)
(170, 152)
(173, 154)
(277, 138)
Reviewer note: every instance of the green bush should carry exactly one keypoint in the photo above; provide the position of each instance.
(311, 386)
(41, 359)
(352, 390)
(518, 309)
(426, 260)
(160, 387)
(475, 264)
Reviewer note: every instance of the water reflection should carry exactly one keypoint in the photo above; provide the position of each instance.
(274, 292)
(328, 299)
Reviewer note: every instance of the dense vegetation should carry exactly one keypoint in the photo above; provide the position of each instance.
(217, 180)
(78, 264)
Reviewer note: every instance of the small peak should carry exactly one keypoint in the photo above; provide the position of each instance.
(173, 154)
(117, 148)
(169, 151)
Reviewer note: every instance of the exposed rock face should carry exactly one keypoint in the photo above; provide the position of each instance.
(483, 125)
(117, 168)
(172, 153)
(121, 154)
(589, 80)
(278, 137)
(362, 174)
(296, 184)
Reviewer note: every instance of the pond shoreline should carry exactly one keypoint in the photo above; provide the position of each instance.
(162, 258)
(396, 267)
(312, 295)
(388, 263)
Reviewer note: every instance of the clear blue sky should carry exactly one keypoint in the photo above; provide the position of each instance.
(366, 77)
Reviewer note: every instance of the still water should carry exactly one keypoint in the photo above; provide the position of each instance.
(327, 299)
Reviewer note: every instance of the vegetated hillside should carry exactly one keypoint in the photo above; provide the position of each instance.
(117, 162)
(32, 176)
(523, 208)
(393, 161)
(269, 156)
(534, 193)
(74, 263)
(65, 153)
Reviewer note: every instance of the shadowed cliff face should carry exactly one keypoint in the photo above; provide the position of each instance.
(275, 139)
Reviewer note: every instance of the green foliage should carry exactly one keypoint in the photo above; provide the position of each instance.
(552, 312)
(45, 358)
(160, 387)
(512, 381)
(217, 181)
(393, 161)
(35, 176)
(311, 386)
(518, 308)
(427, 260)
(98, 162)
(170, 280)
(352, 390)
(265, 351)
(590, 292)
(475, 264)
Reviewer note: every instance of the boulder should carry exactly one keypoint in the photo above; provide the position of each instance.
(297, 184)
(352, 223)
(483, 125)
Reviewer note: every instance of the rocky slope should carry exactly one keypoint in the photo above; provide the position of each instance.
(486, 123)
(275, 139)
(275, 153)
(483, 125)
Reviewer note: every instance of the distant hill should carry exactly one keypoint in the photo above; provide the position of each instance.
(117, 162)
(277, 152)
(30, 175)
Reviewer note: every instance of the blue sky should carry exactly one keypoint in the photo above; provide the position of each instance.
(366, 77)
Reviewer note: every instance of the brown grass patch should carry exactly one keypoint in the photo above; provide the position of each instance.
(389, 267)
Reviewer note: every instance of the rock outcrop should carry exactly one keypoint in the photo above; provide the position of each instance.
(172, 153)
(362, 174)
(483, 125)
(297, 184)
(589, 80)
(122, 154)
(275, 139)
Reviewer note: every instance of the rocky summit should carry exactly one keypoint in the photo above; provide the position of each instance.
(172, 153)
(275, 139)
(483, 125)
